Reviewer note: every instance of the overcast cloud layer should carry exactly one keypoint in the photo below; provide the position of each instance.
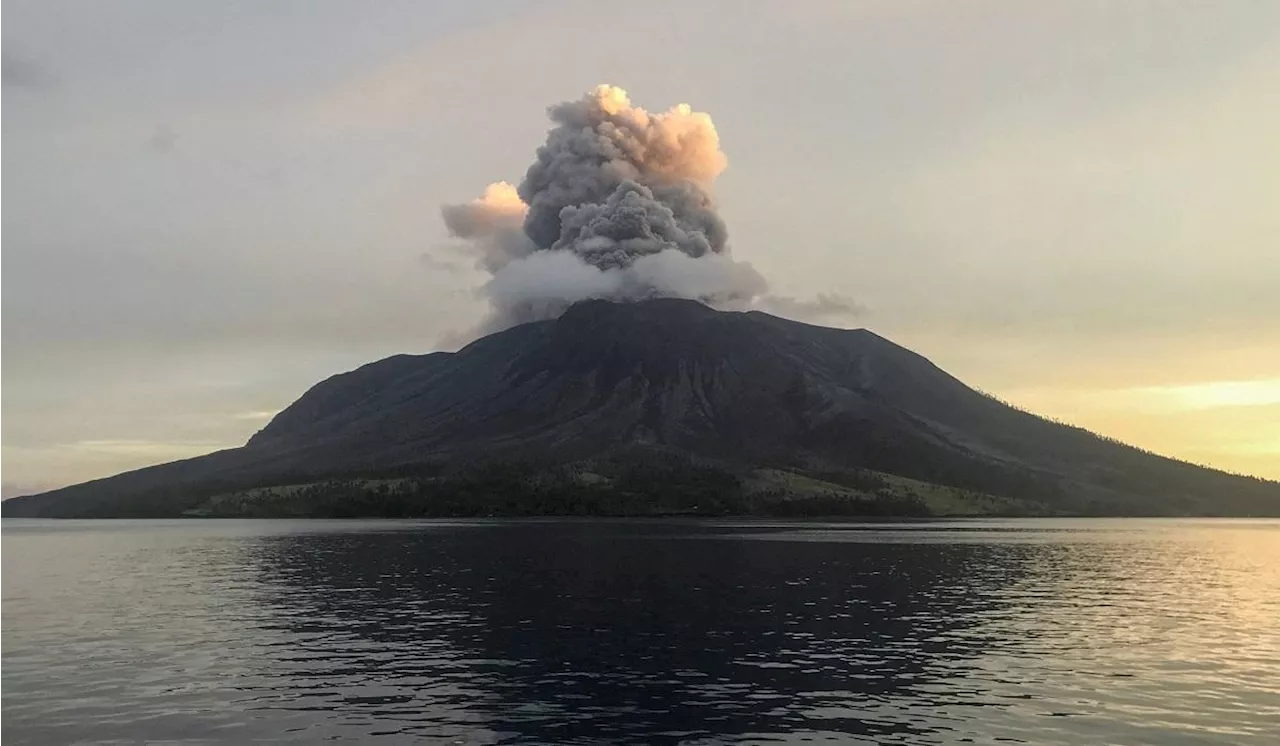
(210, 207)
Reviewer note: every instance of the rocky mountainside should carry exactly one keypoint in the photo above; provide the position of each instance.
(740, 391)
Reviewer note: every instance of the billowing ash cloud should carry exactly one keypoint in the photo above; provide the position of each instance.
(494, 224)
(617, 205)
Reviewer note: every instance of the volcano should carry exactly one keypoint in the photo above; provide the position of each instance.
(655, 407)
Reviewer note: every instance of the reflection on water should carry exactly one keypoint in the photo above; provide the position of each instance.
(1120, 631)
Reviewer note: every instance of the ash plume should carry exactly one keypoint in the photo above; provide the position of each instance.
(616, 205)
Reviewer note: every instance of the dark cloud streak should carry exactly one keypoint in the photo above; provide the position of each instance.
(23, 73)
(825, 307)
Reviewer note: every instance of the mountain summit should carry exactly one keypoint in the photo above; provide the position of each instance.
(611, 392)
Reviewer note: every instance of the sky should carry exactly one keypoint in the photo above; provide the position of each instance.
(209, 207)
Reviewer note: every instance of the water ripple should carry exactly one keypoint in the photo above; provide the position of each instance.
(1045, 632)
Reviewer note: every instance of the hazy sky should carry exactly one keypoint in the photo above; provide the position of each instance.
(208, 207)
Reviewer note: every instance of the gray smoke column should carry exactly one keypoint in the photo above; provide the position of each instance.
(616, 205)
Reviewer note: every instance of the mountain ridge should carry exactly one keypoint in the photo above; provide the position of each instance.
(741, 391)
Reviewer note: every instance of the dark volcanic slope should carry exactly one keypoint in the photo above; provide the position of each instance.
(744, 388)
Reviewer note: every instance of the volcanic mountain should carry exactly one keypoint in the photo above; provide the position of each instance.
(753, 409)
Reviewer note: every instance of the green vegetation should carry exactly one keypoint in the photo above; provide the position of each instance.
(634, 484)
(882, 494)
(666, 485)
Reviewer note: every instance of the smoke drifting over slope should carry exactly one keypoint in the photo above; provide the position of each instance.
(617, 205)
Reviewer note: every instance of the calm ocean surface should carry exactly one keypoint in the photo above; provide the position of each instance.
(1027, 631)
